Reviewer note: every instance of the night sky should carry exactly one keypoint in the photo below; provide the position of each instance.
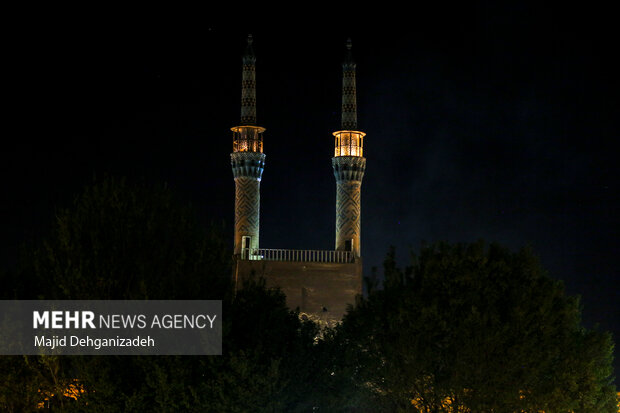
(485, 122)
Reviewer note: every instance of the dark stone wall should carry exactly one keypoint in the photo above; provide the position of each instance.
(320, 290)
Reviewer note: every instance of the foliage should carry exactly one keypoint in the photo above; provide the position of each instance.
(268, 350)
(470, 328)
(124, 241)
(133, 241)
(465, 328)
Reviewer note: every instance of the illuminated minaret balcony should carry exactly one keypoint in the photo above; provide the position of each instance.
(349, 143)
(248, 138)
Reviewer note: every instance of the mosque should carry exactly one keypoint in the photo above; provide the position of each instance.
(320, 283)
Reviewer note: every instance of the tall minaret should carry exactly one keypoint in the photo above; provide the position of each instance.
(248, 162)
(349, 164)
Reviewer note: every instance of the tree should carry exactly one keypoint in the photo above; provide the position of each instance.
(130, 241)
(471, 328)
(134, 241)
(269, 356)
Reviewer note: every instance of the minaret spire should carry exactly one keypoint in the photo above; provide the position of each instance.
(349, 164)
(247, 161)
(349, 98)
(248, 86)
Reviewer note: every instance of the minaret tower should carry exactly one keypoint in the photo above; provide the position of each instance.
(349, 164)
(248, 162)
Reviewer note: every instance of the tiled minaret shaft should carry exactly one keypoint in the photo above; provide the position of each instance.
(247, 161)
(349, 164)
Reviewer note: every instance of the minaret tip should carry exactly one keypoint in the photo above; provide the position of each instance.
(348, 56)
(248, 57)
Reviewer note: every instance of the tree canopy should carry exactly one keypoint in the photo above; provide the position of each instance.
(472, 328)
(465, 328)
(123, 240)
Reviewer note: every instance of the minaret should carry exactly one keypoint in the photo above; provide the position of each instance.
(248, 162)
(349, 164)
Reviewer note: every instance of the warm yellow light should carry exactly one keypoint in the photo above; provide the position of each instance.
(247, 138)
(73, 391)
(349, 143)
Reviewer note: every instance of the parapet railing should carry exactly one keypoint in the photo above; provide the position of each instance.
(298, 255)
